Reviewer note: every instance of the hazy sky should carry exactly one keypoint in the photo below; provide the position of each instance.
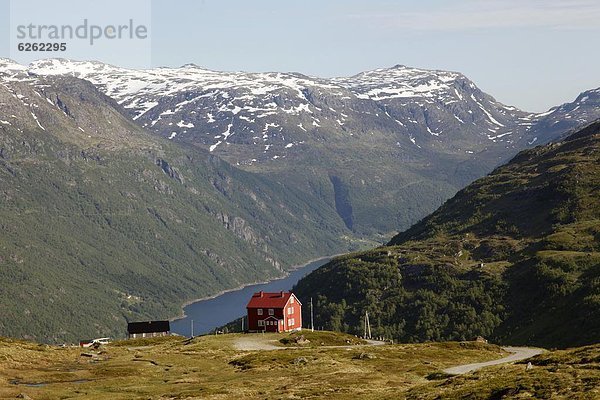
(529, 53)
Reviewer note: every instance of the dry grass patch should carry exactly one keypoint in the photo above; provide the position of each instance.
(209, 367)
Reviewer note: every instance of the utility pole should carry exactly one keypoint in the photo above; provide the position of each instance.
(312, 324)
(367, 326)
(192, 325)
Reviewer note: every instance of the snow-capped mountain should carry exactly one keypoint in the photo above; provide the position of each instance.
(558, 121)
(438, 102)
(10, 68)
(270, 113)
(273, 112)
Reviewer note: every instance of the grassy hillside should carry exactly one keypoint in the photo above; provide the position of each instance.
(514, 256)
(567, 374)
(101, 222)
(211, 367)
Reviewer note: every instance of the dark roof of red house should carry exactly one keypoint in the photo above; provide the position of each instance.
(269, 300)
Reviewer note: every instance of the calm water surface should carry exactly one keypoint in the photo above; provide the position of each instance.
(212, 313)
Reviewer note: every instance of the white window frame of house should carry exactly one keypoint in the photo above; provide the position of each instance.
(292, 300)
(271, 311)
(261, 322)
(291, 322)
(259, 311)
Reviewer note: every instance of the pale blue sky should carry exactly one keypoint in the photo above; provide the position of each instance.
(530, 53)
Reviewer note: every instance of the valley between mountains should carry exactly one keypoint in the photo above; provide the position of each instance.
(125, 193)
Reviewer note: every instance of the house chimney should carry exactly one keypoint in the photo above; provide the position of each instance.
(281, 293)
(260, 293)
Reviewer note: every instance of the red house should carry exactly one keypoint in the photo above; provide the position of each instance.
(274, 312)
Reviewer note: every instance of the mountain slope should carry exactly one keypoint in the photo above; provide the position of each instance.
(357, 142)
(514, 256)
(102, 222)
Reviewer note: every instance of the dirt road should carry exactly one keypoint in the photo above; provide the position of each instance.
(518, 354)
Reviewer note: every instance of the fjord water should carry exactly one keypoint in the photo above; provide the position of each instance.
(211, 313)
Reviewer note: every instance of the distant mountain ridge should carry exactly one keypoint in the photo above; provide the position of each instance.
(553, 124)
(403, 95)
(211, 101)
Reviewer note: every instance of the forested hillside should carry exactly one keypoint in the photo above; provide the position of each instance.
(515, 257)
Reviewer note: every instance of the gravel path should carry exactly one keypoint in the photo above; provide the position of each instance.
(258, 342)
(255, 342)
(375, 342)
(518, 354)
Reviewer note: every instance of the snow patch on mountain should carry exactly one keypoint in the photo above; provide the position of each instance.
(409, 105)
